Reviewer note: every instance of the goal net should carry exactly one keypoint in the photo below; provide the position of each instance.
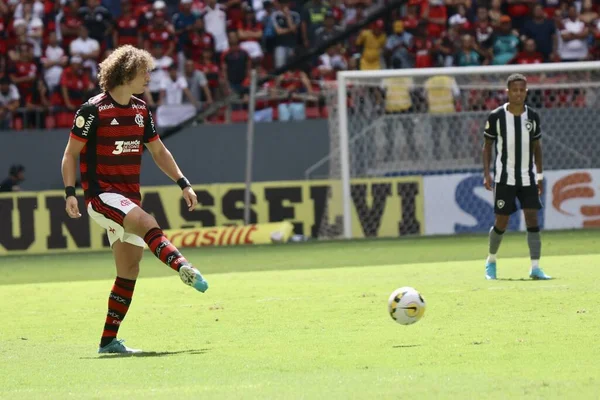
(406, 144)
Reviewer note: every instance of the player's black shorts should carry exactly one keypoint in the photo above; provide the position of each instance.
(505, 197)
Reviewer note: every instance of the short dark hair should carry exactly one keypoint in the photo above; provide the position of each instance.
(515, 78)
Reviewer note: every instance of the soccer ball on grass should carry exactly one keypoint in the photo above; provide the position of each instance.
(406, 305)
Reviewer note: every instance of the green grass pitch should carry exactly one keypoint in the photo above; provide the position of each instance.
(309, 321)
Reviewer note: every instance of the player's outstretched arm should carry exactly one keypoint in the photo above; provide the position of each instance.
(69, 172)
(165, 161)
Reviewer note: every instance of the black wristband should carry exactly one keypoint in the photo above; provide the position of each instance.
(183, 183)
(69, 191)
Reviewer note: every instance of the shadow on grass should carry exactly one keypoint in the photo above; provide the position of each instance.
(147, 354)
(405, 346)
(523, 279)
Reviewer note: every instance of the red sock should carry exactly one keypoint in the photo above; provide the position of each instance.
(163, 249)
(118, 304)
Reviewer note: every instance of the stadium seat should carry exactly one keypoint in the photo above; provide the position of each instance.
(64, 119)
(312, 112)
(239, 116)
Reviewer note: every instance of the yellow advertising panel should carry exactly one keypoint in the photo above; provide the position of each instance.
(381, 207)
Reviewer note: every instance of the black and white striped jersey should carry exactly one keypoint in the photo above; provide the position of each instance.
(514, 136)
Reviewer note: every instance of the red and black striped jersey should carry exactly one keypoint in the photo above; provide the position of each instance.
(114, 135)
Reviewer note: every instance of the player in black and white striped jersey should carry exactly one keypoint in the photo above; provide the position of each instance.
(514, 130)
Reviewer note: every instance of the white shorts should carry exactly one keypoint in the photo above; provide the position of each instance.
(252, 48)
(109, 210)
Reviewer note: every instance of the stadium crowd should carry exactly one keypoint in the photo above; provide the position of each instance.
(204, 50)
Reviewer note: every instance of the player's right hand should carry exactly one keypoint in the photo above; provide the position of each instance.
(487, 182)
(73, 207)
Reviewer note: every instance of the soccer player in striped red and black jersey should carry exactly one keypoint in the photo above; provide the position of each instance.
(107, 136)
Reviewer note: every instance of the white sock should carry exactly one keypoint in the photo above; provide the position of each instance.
(535, 264)
(491, 258)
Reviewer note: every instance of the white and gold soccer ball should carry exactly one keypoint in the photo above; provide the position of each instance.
(406, 305)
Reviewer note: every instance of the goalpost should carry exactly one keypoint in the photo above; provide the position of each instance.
(403, 141)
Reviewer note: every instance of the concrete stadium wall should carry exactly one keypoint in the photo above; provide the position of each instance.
(206, 154)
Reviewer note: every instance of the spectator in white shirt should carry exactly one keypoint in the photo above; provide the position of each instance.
(573, 37)
(87, 48)
(172, 88)
(215, 23)
(197, 83)
(53, 60)
(158, 74)
(9, 101)
(37, 10)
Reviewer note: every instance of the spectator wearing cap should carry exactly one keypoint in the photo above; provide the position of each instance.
(24, 72)
(235, 64)
(197, 83)
(313, 17)
(286, 23)
(250, 32)
(573, 44)
(505, 43)
(127, 27)
(372, 41)
(160, 31)
(53, 60)
(328, 30)
(184, 21)
(97, 19)
(197, 40)
(397, 47)
(543, 32)
(215, 23)
(75, 84)
(69, 23)
(162, 63)
(16, 175)
(87, 48)
(9, 102)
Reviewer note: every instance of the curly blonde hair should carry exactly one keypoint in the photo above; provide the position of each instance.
(122, 65)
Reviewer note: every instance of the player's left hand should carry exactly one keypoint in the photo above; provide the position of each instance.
(190, 198)
(540, 185)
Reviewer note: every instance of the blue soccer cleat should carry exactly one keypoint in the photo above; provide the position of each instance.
(192, 277)
(117, 347)
(490, 270)
(538, 274)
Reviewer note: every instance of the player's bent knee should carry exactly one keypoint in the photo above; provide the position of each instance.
(139, 222)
